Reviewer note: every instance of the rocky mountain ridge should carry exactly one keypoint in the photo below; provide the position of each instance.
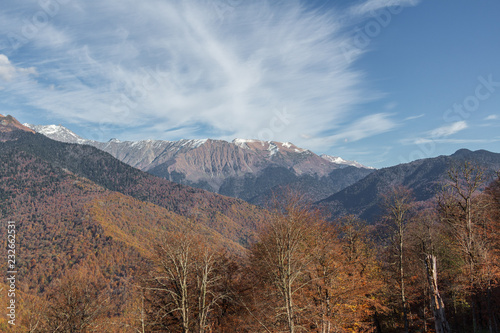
(216, 164)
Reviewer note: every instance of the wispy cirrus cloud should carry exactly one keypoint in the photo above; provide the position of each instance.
(365, 127)
(441, 135)
(415, 117)
(447, 130)
(456, 141)
(198, 68)
(371, 6)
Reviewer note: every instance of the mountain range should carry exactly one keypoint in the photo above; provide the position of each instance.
(257, 171)
(252, 170)
(83, 207)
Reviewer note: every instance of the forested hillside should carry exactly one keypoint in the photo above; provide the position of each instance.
(424, 177)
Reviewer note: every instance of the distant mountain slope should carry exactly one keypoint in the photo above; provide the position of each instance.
(215, 165)
(260, 189)
(422, 176)
(54, 230)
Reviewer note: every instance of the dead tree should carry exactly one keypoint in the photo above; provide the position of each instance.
(437, 304)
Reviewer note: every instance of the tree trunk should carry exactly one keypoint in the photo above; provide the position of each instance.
(402, 281)
(289, 308)
(437, 304)
(378, 328)
(491, 313)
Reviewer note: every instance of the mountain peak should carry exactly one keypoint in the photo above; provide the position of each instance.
(340, 160)
(462, 152)
(273, 147)
(57, 132)
(10, 124)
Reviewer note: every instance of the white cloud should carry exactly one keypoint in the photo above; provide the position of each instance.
(8, 71)
(415, 117)
(391, 105)
(454, 141)
(365, 127)
(491, 117)
(441, 134)
(371, 6)
(448, 130)
(51, 37)
(199, 68)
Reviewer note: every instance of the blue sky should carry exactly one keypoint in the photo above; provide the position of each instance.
(380, 82)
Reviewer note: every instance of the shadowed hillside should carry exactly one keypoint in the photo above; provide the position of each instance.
(423, 177)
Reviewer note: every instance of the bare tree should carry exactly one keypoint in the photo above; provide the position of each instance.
(440, 322)
(208, 282)
(460, 209)
(284, 255)
(493, 232)
(185, 286)
(134, 317)
(397, 205)
(33, 313)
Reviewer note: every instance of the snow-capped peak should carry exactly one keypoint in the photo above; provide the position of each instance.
(61, 133)
(57, 132)
(242, 143)
(341, 161)
(192, 143)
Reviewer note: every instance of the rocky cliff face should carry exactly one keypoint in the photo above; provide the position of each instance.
(208, 163)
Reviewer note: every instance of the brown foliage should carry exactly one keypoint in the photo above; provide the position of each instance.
(79, 302)
(308, 277)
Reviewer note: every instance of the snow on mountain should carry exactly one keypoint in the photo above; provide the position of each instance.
(61, 133)
(341, 161)
(242, 143)
(58, 133)
(193, 143)
(273, 149)
(208, 163)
